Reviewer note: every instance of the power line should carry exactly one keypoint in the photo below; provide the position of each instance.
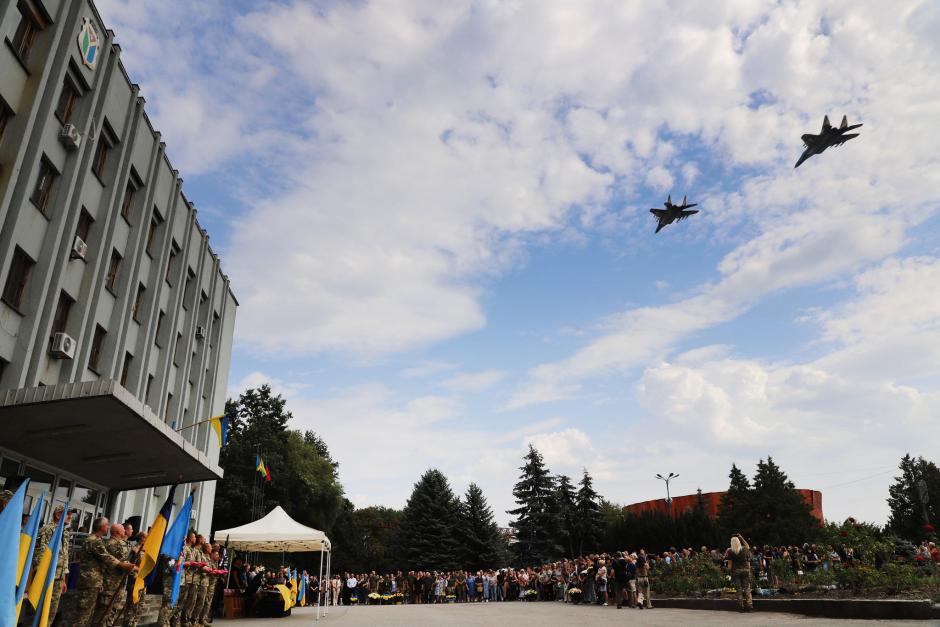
(877, 474)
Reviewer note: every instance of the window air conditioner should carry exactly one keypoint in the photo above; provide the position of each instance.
(79, 248)
(200, 333)
(63, 346)
(70, 137)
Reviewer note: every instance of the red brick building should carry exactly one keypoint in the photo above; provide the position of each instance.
(710, 501)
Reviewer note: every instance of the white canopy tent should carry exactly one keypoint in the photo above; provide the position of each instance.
(277, 532)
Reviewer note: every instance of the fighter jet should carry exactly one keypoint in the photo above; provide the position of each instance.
(828, 136)
(673, 213)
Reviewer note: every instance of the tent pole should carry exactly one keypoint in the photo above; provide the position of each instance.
(319, 580)
(329, 561)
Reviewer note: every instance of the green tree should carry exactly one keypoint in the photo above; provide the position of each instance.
(304, 476)
(365, 539)
(780, 513)
(734, 510)
(536, 519)
(565, 500)
(428, 532)
(588, 515)
(484, 545)
(908, 504)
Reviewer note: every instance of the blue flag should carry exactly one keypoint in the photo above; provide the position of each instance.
(11, 521)
(42, 610)
(27, 547)
(172, 546)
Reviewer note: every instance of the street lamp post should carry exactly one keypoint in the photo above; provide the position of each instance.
(667, 479)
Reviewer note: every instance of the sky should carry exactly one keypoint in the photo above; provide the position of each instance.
(435, 217)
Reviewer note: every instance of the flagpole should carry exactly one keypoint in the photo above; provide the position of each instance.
(196, 424)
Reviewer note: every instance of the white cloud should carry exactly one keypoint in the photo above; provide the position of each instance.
(474, 381)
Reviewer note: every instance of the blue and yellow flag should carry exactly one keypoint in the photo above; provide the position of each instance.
(150, 552)
(173, 542)
(11, 520)
(220, 426)
(302, 591)
(27, 547)
(285, 595)
(40, 590)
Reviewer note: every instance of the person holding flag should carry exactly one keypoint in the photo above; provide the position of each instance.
(96, 563)
(150, 551)
(43, 583)
(27, 547)
(302, 592)
(62, 564)
(174, 544)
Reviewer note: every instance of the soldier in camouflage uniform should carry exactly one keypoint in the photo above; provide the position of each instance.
(191, 554)
(114, 594)
(62, 565)
(96, 563)
(202, 583)
(134, 610)
(213, 582)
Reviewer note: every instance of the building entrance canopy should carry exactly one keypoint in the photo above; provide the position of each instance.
(100, 431)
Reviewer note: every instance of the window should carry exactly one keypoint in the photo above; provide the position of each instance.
(3, 366)
(126, 369)
(42, 192)
(62, 310)
(5, 115)
(26, 32)
(138, 301)
(128, 201)
(83, 230)
(68, 98)
(101, 156)
(156, 339)
(169, 264)
(97, 342)
(187, 290)
(113, 270)
(149, 385)
(176, 349)
(166, 413)
(20, 267)
(152, 232)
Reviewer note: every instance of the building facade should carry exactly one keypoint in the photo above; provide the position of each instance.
(710, 501)
(116, 319)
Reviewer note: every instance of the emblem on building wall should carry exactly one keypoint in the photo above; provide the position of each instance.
(88, 43)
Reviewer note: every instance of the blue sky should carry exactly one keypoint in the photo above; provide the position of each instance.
(435, 218)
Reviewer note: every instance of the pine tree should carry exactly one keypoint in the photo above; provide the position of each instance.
(588, 515)
(567, 513)
(908, 505)
(536, 522)
(484, 545)
(780, 514)
(428, 532)
(734, 508)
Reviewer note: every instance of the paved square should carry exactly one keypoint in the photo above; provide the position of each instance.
(542, 614)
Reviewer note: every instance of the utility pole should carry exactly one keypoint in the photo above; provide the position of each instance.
(667, 479)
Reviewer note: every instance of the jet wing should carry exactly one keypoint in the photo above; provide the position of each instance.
(659, 213)
(844, 139)
(808, 139)
(685, 214)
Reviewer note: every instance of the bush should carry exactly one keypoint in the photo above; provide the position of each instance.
(690, 577)
(860, 578)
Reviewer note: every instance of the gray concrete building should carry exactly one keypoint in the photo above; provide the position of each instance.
(116, 319)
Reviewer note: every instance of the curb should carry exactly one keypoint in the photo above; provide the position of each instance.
(825, 608)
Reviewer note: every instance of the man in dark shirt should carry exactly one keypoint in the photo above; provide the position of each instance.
(631, 581)
(619, 566)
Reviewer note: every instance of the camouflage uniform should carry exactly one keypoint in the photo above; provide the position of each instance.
(114, 586)
(202, 584)
(96, 563)
(61, 566)
(170, 615)
(193, 585)
(211, 582)
(132, 616)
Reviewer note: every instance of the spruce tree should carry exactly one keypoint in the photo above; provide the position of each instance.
(536, 518)
(908, 505)
(588, 515)
(565, 498)
(734, 508)
(781, 514)
(428, 535)
(484, 545)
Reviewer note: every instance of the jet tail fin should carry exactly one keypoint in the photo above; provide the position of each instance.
(826, 125)
(845, 122)
(685, 200)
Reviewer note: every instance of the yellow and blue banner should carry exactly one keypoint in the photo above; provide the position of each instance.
(11, 520)
(302, 591)
(220, 425)
(172, 546)
(262, 468)
(40, 590)
(27, 547)
(150, 552)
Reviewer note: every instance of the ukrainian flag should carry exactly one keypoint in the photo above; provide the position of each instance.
(219, 424)
(262, 468)
(11, 519)
(293, 587)
(302, 591)
(40, 590)
(150, 552)
(27, 546)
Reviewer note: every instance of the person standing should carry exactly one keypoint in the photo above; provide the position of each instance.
(631, 581)
(619, 568)
(737, 560)
(96, 564)
(134, 610)
(114, 595)
(643, 581)
(187, 585)
(62, 565)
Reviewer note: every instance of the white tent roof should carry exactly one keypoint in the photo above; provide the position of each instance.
(275, 532)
